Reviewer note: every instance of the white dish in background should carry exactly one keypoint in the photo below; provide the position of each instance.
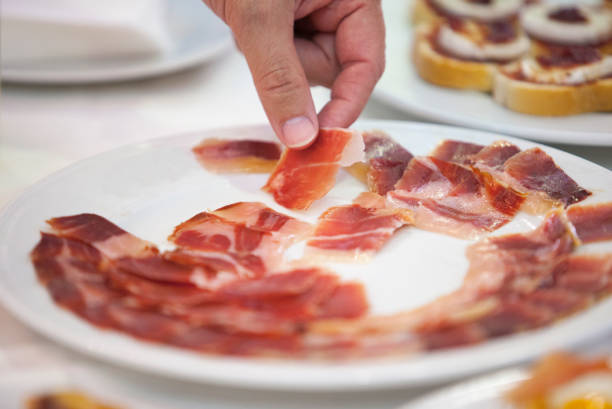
(196, 35)
(401, 87)
(166, 184)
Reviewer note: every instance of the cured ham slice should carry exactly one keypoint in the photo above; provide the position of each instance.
(225, 155)
(359, 230)
(303, 176)
(107, 237)
(494, 156)
(255, 316)
(385, 162)
(452, 199)
(244, 239)
(534, 172)
(529, 256)
(456, 151)
(592, 223)
(258, 216)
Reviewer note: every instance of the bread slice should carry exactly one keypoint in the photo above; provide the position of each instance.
(422, 13)
(551, 99)
(447, 71)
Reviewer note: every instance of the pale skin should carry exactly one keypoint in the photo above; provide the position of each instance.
(290, 44)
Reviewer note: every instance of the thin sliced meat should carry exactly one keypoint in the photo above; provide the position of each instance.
(452, 199)
(246, 239)
(456, 151)
(226, 155)
(303, 176)
(258, 216)
(535, 173)
(357, 231)
(593, 222)
(265, 316)
(523, 259)
(110, 239)
(494, 156)
(385, 162)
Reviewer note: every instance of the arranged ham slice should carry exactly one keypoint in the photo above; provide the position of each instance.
(452, 199)
(385, 162)
(245, 239)
(255, 316)
(533, 173)
(303, 176)
(357, 231)
(226, 155)
(593, 222)
(456, 151)
(107, 237)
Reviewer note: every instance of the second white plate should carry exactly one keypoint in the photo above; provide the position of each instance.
(196, 36)
(401, 87)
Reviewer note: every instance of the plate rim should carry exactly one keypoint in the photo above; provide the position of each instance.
(361, 381)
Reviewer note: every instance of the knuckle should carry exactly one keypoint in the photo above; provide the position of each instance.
(280, 81)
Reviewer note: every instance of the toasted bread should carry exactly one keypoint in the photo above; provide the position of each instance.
(447, 71)
(551, 99)
(422, 13)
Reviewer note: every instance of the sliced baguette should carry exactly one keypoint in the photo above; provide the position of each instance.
(447, 71)
(422, 13)
(551, 99)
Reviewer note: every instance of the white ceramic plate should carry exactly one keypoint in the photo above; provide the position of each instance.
(196, 36)
(401, 87)
(161, 181)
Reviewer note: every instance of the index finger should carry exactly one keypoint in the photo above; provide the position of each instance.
(360, 49)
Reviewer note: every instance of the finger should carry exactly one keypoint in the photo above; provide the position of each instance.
(360, 49)
(264, 32)
(318, 57)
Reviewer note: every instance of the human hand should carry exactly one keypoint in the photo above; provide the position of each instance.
(291, 43)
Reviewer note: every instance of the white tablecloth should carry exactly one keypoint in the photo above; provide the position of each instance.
(44, 128)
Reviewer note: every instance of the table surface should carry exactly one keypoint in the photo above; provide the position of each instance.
(44, 128)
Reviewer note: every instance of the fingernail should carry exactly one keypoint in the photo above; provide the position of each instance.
(298, 132)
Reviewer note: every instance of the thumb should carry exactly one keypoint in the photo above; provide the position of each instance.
(264, 33)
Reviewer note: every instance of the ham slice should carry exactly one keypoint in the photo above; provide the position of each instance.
(385, 162)
(256, 316)
(456, 151)
(226, 155)
(303, 176)
(593, 222)
(107, 237)
(452, 199)
(357, 231)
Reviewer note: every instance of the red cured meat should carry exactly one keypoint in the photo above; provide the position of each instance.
(494, 156)
(385, 162)
(245, 239)
(303, 176)
(253, 317)
(456, 151)
(358, 230)
(534, 170)
(107, 237)
(593, 222)
(452, 199)
(224, 155)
